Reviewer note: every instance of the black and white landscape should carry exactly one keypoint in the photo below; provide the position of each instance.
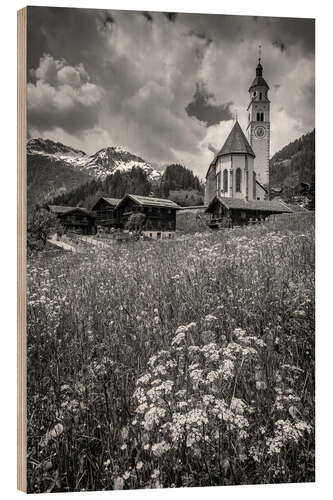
(170, 296)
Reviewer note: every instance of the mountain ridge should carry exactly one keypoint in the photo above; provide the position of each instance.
(54, 168)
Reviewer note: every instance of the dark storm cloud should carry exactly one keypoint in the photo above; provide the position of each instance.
(205, 109)
(202, 36)
(117, 77)
(148, 16)
(108, 21)
(279, 44)
(171, 16)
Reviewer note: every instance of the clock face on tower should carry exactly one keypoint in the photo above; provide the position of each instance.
(260, 132)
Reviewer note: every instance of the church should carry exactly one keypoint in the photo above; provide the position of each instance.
(237, 180)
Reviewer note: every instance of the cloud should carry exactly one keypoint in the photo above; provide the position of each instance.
(148, 16)
(171, 16)
(62, 97)
(279, 44)
(136, 79)
(205, 109)
(213, 149)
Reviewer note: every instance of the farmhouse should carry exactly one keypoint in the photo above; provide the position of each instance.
(227, 212)
(76, 219)
(159, 214)
(104, 209)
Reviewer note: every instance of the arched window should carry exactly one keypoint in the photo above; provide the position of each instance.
(260, 117)
(254, 185)
(225, 180)
(238, 180)
(260, 96)
(219, 183)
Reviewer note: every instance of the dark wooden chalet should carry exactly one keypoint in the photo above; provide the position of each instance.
(228, 212)
(104, 209)
(76, 219)
(160, 213)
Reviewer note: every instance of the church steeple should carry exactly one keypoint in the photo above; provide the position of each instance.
(259, 124)
(259, 68)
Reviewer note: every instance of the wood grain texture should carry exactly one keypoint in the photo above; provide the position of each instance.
(21, 249)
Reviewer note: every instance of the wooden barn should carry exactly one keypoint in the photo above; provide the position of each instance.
(229, 212)
(160, 214)
(104, 209)
(75, 219)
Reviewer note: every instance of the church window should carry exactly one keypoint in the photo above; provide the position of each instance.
(260, 117)
(254, 185)
(219, 183)
(254, 94)
(238, 180)
(260, 96)
(225, 180)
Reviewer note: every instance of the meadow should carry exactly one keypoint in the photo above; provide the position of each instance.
(182, 362)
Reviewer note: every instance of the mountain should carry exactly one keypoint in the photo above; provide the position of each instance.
(51, 170)
(55, 169)
(113, 159)
(294, 163)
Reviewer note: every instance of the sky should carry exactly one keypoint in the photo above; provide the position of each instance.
(165, 86)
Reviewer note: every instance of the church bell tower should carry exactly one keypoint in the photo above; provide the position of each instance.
(258, 128)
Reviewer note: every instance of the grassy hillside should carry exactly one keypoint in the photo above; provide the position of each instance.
(181, 362)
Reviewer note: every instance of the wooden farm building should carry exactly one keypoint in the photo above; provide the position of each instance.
(229, 212)
(160, 214)
(76, 219)
(104, 209)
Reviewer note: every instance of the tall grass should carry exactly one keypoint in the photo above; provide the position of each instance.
(180, 362)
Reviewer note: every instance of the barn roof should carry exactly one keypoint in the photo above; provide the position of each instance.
(111, 201)
(240, 204)
(62, 209)
(149, 201)
(236, 143)
(193, 207)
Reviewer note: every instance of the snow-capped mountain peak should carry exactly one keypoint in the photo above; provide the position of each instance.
(99, 165)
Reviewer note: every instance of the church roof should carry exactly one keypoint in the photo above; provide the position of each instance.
(236, 143)
(259, 81)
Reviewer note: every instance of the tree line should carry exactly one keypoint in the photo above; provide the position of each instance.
(177, 182)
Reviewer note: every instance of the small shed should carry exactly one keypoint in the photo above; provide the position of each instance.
(230, 212)
(160, 214)
(104, 209)
(77, 219)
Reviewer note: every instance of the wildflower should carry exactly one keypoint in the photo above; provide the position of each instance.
(159, 449)
(139, 465)
(210, 319)
(118, 483)
(155, 474)
(126, 475)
